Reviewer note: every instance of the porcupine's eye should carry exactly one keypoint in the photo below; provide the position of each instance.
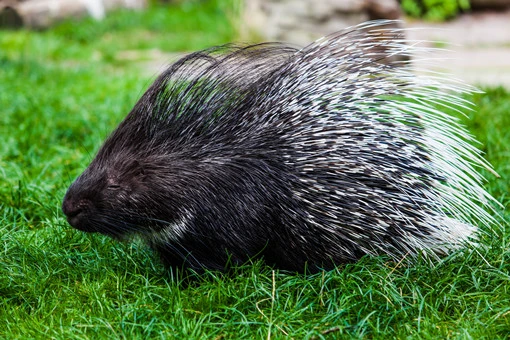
(125, 176)
(125, 185)
(112, 183)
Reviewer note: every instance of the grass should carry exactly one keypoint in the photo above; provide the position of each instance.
(63, 90)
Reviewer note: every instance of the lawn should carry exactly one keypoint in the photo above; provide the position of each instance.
(63, 90)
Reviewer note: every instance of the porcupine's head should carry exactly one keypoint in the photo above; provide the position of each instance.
(153, 167)
(122, 190)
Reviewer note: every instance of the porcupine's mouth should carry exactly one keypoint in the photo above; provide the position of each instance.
(77, 221)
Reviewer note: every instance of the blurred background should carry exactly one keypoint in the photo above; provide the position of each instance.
(125, 31)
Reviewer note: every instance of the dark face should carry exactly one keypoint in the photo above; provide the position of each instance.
(111, 198)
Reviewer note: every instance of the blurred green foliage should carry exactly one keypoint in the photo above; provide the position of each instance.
(434, 10)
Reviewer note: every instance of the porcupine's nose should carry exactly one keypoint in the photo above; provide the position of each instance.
(75, 213)
(70, 209)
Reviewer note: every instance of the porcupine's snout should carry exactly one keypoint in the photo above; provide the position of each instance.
(76, 212)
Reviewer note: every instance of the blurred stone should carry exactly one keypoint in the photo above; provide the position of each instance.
(302, 21)
(383, 9)
(41, 14)
(475, 47)
(9, 17)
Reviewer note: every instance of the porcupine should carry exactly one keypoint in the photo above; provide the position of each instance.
(308, 158)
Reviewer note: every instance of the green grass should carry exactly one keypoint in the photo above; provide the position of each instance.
(63, 90)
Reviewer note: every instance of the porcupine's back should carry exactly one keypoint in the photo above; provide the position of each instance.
(314, 156)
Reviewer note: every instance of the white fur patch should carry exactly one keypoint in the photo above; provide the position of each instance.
(172, 232)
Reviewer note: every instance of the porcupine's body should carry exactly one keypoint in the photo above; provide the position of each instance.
(308, 158)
